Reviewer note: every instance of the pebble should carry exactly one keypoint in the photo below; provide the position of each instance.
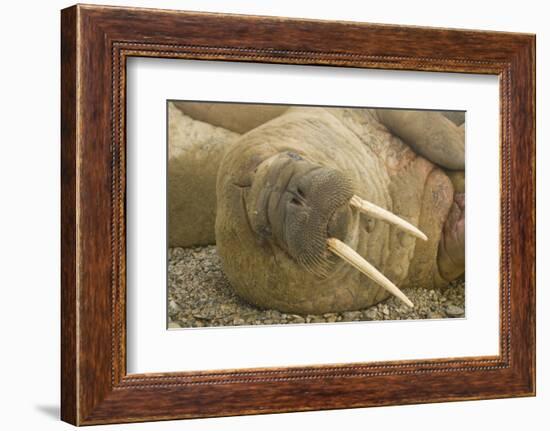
(199, 295)
(173, 306)
(370, 314)
(454, 311)
(331, 317)
(351, 315)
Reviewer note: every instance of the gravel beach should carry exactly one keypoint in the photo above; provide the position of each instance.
(199, 295)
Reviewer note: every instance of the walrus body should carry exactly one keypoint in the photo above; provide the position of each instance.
(263, 215)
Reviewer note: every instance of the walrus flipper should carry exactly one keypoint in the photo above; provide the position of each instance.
(430, 133)
(237, 117)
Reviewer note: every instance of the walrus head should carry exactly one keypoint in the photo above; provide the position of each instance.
(305, 209)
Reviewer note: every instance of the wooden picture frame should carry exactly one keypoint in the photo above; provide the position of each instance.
(96, 41)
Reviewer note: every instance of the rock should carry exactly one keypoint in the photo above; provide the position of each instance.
(331, 317)
(404, 310)
(173, 325)
(454, 311)
(297, 319)
(173, 306)
(274, 314)
(370, 314)
(351, 315)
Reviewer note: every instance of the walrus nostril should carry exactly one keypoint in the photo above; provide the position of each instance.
(296, 202)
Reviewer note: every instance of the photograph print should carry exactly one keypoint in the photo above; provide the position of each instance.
(286, 214)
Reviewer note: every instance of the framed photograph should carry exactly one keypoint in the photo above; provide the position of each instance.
(263, 214)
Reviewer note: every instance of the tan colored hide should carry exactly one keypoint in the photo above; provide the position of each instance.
(194, 154)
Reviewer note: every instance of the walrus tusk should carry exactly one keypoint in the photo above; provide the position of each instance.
(354, 259)
(380, 213)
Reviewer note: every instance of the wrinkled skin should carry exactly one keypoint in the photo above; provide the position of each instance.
(283, 188)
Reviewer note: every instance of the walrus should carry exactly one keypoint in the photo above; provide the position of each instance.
(321, 210)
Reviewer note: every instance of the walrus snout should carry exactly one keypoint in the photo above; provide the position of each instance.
(323, 211)
(297, 204)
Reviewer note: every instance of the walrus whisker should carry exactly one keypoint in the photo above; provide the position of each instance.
(315, 265)
(348, 254)
(382, 214)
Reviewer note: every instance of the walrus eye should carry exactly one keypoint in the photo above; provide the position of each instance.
(294, 156)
